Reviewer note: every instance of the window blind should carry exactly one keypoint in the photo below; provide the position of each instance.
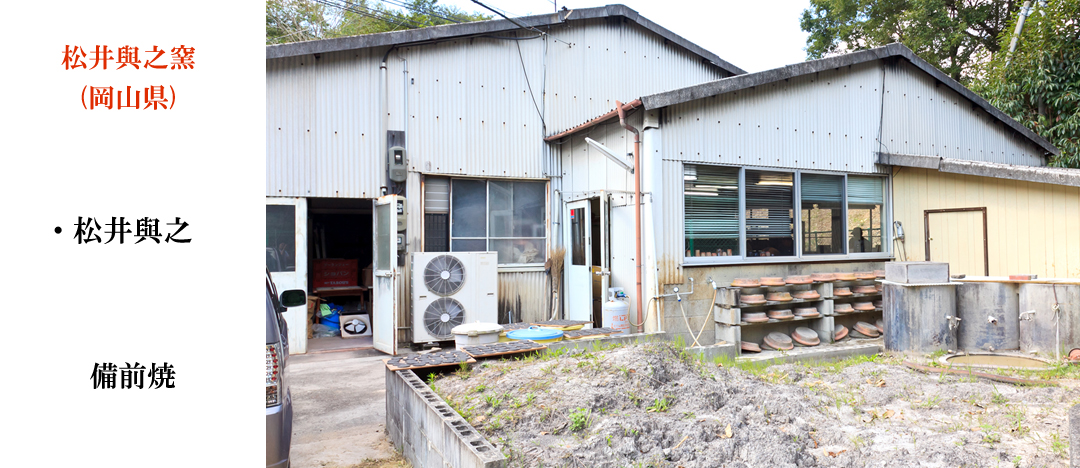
(819, 188)
(865, 190)
(769, 204)
(711, 202)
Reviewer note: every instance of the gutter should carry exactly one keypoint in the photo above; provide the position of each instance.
(637, 203)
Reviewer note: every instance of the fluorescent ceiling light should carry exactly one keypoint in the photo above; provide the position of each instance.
(689, 177)
(610, 154)
(700, 194)
(774, 182)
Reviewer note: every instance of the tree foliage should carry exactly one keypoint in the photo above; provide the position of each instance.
(303, 20)
(954, 35)
(1039, 84)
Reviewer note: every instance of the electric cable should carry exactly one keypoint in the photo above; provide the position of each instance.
(531, 95)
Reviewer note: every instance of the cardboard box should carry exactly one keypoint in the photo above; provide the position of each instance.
(335, 273)
(366, 276)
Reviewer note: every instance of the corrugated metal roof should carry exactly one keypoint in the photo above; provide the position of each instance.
(464, 30)
(810, 68)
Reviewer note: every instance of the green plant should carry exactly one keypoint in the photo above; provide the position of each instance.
(930, 402)
(858, 442)
(431, 378)
(1016, 461)
(1018, 415)
(608, 440)
(661, 405)
(634, 398)
(579, 419)
(492, 401)
(1060, 447)
(998, 398)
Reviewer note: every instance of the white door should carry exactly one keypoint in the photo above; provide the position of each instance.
(384, 294)
(286, 258)
(579, 261)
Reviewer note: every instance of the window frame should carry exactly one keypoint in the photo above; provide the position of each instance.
(487, 222)
(799, 257)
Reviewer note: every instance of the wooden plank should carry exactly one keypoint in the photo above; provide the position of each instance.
(1058, 247)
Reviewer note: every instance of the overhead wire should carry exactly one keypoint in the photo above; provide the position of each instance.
(368, 13)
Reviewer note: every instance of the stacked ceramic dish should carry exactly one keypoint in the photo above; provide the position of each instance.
(807, 295)
(746, 283)
(863, 306)
(839, 332)
(798, 279)
(777, 341)
(749, 347)
(806, 337)
(807, 312)
(845, 276)
(754, 317)
(865, 330)
(865, 289)
(752, 299)
(772, 281)
(778, 296)
(865, 275)
(843, 308)
(781, 314)
(880, 274)
(823, 277)
(842, 291)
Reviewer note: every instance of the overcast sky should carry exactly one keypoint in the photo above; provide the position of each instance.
(752, 35)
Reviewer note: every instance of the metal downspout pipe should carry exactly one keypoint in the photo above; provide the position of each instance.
(637, 207)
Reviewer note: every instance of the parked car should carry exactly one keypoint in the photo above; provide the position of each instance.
(278, 399)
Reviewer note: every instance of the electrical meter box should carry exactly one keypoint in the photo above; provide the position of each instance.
(397, 163)
(402, 213)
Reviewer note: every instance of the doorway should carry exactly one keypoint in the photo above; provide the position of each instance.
(958, 236)
(339, 272)
(587, 268)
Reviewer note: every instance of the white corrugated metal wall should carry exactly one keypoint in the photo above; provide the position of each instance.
(922, 117)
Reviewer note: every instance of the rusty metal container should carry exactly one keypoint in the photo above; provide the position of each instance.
(920, 317)
(991, 316)
(1038, 330)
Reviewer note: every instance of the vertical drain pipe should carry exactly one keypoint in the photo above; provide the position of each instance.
(637, 206)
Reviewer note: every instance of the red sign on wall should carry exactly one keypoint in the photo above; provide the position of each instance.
(335, 273)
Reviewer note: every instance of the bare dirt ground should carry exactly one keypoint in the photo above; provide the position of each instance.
(656, 405)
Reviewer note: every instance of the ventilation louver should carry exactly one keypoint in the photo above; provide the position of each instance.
(442, 316)
(444, 275)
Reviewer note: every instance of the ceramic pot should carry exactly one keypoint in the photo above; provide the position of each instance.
(798, 279)
(779, 296)
(781, 314)
(746, 283)
(806, 337)
(845, 276)
(866, 289)
(778, 341)
(807, 312)
(843, 308)
(839, 332)
(823, 277)
(864, 306)
(748, 347)
(772, 281)
(867, 330)
(842, 291)
(752, 299)
(807, 295)
(754, 317)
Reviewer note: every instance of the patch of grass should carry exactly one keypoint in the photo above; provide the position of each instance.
(492, 401)
(1016, 419)
(930, 402)
(998, 399)
(634, 398)
(479, 388)
(858, 441)
(580, 419)
(990, 436)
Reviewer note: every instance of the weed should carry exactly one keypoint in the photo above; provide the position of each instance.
(930, 402)
(625, 370)
(431, 378)
(1017, 417)
(858, 442)
(634, 398)
(529, 398)
(463, 371)
(1016, 461)
(479, 388)
(661, 405)
(579, 419)
(998, 398)
(492, 401)
(1059, 446)
(989, 435)
(688, 415)
(549, 369)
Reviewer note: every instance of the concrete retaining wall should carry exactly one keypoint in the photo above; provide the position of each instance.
(428, 432)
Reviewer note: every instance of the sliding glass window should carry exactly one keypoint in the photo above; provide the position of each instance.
(866, 195)
(711, 203)
(822, 214)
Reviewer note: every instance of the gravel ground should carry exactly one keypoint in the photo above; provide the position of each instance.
(655, 405)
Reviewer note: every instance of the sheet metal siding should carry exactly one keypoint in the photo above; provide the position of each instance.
(322, 116)
(586, 169)
(612, 60)
(822, 121)
(527, 294)
(469, 107)
(671, 243)
(924, 118)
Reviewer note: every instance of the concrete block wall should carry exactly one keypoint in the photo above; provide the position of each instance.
(428, 432)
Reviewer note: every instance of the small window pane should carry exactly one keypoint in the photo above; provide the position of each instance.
(383, 237)
(577, 236)
(468, 199)
(518, 209)
(769, 214)
(711, 204)
(866, 196)
(281, 237)
(520, 250)
(468, 245)
(822, 214)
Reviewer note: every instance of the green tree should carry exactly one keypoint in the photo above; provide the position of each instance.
(1039, 84)
(954, 35)
(301, 20)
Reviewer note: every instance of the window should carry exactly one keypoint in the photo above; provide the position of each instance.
(770, 214)
(280, 237)
(866, 195)
(711, 197)
(739, 212)
(507, 217)
(822, 214)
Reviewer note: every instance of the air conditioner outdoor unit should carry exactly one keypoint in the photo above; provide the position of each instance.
(449, 289)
